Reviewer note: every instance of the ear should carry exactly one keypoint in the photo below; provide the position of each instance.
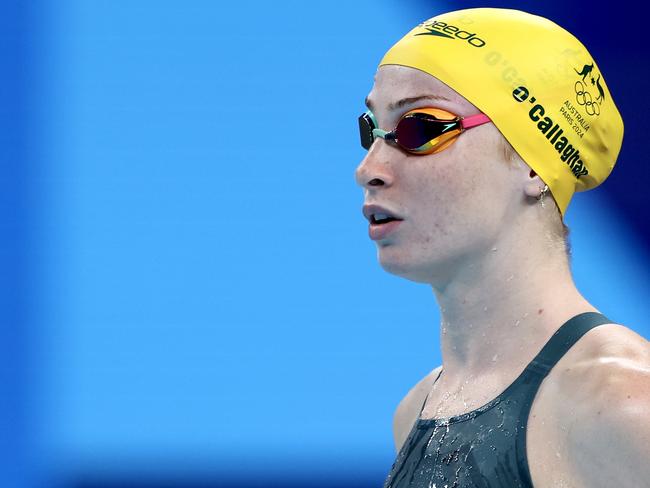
(534, 187)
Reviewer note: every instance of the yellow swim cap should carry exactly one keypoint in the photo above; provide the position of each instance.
(536, 81)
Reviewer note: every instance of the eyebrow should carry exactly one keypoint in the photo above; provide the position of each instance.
(407, 101)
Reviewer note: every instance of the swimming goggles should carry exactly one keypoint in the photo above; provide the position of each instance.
(420, 131)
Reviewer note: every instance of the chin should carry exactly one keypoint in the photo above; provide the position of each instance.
(405, 266)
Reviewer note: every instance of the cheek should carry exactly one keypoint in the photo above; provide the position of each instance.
(446, 199)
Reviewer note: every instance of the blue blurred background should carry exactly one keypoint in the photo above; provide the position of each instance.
(189, 295)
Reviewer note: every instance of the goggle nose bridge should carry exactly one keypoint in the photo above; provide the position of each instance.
(388, 136)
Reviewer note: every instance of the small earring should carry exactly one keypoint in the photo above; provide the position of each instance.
(541, 195)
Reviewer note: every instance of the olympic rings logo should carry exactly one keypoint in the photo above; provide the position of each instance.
(583, 97)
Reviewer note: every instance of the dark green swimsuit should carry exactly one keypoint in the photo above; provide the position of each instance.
(484, 448)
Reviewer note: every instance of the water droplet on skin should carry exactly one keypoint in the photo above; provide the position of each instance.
(511, 277)
(494, 249)
(468, 451)
(470, 326)
(444, 330)
(485, 309)
(494, 358)
(517, 323)
(557, 455)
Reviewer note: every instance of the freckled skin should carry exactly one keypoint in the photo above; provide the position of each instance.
(447, 195)
(472, 229)
(475, 232)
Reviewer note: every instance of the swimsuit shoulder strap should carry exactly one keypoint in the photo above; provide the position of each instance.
(563, 339)
(427, 395)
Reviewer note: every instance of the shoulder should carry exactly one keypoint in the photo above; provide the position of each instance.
(608, 412)
(408, 409)
(610, 355)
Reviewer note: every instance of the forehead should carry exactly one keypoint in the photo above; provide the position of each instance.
(394, 83)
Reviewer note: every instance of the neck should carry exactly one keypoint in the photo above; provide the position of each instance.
(499, 310)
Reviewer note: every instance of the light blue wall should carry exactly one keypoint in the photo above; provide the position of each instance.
(205, 293)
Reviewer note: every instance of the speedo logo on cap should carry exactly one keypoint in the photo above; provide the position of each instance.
(569, 153)
(442, 29)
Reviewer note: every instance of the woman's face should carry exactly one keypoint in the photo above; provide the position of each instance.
(453, 203)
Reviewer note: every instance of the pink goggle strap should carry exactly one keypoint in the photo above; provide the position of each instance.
(474, 120)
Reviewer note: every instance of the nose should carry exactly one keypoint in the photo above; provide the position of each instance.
(374, 169)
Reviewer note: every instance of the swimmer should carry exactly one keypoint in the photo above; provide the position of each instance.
(481, 125)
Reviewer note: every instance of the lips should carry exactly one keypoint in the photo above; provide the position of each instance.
(383, 221)
(381, 231)
(373, 211)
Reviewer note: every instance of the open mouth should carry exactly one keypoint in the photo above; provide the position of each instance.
(379, 219)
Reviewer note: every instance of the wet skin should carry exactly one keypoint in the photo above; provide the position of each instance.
(474, 231)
